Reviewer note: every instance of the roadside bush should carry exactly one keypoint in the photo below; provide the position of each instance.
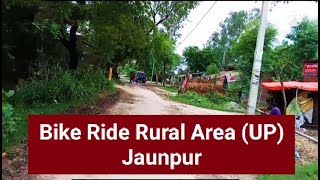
(212, 97)
(236, 90)
(61, 85)
(220, 98)
(195, 97)
(212, 69)
(9, 120)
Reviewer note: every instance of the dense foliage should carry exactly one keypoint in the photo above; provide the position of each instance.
(59, 85)
(9, 120)
(55, 52)
(41, 34)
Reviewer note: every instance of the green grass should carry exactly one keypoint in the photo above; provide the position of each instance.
(307, 171)
(53, 93)
(23, 111)
(170, 89)
(216, 102)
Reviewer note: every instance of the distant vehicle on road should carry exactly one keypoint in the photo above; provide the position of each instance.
(141, 77)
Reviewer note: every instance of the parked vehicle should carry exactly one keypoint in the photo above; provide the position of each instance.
(141, 77)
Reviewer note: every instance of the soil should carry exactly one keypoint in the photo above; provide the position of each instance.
(307, 149)
(14, 164)
(104, 101)
(136, 99)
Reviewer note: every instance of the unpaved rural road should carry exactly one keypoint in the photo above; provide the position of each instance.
(138, 99)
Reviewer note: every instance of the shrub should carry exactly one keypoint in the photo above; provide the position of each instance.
(212, 69)
(9, 120)
(220, 98)
(194, 97)
(61, 85)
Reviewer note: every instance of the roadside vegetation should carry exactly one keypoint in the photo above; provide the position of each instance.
(170, 89)
(57, 54)
(53, 93)
(211, 101)
(306, 171)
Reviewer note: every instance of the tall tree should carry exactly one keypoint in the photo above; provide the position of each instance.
(305, 39)
(245, 47)
(164, 52)
(283, 64)
(109, 33)
(286, 60)
(199, 59)
(67, 17)
(171, 14)
(230, 30)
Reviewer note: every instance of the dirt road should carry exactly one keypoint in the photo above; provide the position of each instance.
(139, 99)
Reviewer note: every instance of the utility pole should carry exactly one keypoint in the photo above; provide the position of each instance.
(255, 77)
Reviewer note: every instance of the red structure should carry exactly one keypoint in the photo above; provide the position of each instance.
(310, 71)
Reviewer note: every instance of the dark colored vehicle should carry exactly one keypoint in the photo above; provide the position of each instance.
(141, 77)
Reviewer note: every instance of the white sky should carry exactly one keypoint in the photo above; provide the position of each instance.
(282, 16)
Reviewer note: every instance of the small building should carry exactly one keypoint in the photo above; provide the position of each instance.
(292, 89)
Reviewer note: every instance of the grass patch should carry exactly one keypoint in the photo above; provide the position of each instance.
(22, 111)
(307, 171)
(170, 89)
(117, 81)
(216, 102)
(53, 93)
(62, 85)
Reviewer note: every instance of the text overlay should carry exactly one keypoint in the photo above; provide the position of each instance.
(161, 144)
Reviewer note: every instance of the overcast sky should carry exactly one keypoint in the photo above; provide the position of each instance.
(283, 16)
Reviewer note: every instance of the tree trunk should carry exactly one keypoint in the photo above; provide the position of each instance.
(164, 73)
(152, 69)
(223, 59)
(73, 52)
(156, 78)
(115, 74)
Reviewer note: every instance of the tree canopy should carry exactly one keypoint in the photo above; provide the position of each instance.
(76, 34)
(199, 59)
(305, 39)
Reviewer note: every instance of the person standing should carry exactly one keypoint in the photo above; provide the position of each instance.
(132, 76)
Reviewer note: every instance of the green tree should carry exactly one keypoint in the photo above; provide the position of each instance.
(212, 69)
(199, 59)
(231, 28)
(171, 14)
(245, 47)
(305, 39)
(101, 33)
(164, 53)
(283, 64)
(122, 37)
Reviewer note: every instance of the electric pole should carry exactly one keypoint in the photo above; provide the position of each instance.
(255, 77)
